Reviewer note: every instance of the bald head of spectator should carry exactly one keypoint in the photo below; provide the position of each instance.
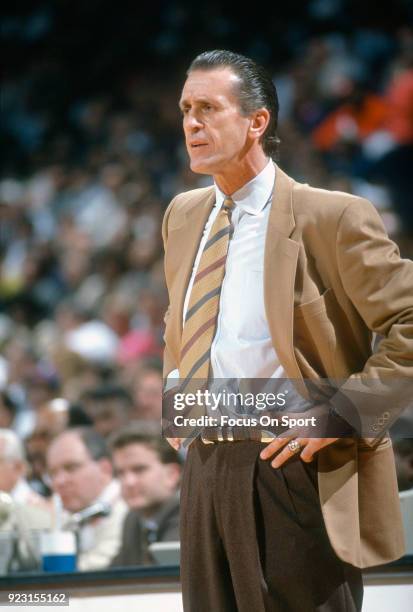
(148, 469)
(79, 466)
(12, 460)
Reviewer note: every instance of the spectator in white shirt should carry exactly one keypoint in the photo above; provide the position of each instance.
(80, 470)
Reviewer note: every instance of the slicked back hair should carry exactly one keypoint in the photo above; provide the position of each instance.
(256, 89)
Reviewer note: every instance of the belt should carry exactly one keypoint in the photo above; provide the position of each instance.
(212, 435)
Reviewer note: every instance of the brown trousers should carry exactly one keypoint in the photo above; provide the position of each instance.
(253, 537)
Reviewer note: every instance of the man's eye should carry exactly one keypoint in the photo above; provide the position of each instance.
(140, 469)
(72, 467)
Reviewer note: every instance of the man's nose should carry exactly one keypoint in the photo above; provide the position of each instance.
(128, 480)
(192, 122)
(59, 479)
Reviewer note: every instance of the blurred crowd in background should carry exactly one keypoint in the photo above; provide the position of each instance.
(93, 153)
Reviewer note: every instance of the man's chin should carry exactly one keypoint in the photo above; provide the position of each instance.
(73, 509)
(200, 167)
(135, 504)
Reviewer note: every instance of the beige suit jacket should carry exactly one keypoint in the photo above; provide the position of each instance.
(331, 276)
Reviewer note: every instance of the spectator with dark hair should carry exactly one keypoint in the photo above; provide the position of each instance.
(147, 393)
(81, 474)
(13, 470)
(149, 473)
(7, 410)
(22, 510)
(108, 406)
(77, 416)
(51, 419)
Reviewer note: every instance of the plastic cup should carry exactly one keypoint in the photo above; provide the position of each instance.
(58, 551)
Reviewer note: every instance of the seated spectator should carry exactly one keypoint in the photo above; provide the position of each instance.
(7, 410)
(13, 469)
(80, 470)
(19, 528)
(22, 510)
(149, 473)
(108, 407)
(148, 393)
(36, 448)
(359, 115)
(51, 419)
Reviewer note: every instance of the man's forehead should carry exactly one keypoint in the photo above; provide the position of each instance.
(135, 456)
(137, 449)
(208, 84)
(68, 444)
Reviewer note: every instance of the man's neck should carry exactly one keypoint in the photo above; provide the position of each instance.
(246, 170)
(151, 512)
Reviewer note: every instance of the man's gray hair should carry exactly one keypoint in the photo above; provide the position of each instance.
(12, 449)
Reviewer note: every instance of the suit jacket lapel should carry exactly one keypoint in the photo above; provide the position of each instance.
(280, 262)
(185, 235)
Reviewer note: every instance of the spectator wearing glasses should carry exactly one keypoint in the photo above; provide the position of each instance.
(81, 474)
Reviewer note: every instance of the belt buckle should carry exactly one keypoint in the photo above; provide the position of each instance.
(206, 441)
(221, 437)
(225, 434)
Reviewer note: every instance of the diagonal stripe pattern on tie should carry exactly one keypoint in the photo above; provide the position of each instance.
(202, 313)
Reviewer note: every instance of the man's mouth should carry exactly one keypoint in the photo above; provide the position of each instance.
(197, 145)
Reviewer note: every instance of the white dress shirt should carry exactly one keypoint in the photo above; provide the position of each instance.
(22, 493)
(242, 346)
(99, 539)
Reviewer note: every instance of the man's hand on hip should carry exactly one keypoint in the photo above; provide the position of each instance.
(307, 447)
(306, 440)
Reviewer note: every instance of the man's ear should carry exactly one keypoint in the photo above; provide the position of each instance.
(259, 122)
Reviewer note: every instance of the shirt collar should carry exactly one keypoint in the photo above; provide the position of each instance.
(254, 195)
(20, 491)
(110, 494)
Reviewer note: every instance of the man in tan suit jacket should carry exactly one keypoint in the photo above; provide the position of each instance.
(338, 279)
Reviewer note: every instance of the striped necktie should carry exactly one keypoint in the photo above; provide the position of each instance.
(202, 313)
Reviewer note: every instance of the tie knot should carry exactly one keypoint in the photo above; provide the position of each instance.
(228, 203)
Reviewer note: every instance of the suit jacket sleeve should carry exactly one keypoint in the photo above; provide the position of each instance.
(168, 362)
(380, 285)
